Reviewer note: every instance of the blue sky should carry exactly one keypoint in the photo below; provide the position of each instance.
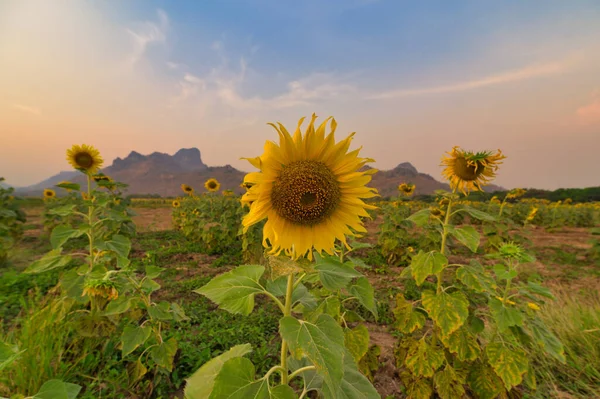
(411, 78)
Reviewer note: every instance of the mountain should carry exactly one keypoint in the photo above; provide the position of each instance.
(163, 174)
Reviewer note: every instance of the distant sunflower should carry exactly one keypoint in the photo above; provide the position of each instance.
(310, 190)
(85, 158)
(187, 189)
(469, 171)
(101, 177)
(407, 189)
(212, 185)
(437, 212)
(48, 193)
(228, 193)
(176, 204)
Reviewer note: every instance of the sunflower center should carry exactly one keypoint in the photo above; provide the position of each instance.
(212, 184)
(84, 160)
(468, 171)
(306, 192)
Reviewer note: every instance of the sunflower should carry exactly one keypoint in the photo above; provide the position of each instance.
(187, 189)
(467, 171)
(516, 193)
(407, 189)
(85, 158)
(101, 177)
(531, 214)
(176, 204)
(310, 189)
(48, 193)
(228, 193)
(246, 185)
(101, 288)
(212, 185)
(436, 212)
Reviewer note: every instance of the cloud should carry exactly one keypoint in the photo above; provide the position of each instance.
(529, 72)
(28, 109)
(589, 114)
(147, 33)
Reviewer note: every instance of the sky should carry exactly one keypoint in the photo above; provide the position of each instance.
(412, 79)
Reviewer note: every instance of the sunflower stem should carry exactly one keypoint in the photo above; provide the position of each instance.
(287, 312)
(90, 220)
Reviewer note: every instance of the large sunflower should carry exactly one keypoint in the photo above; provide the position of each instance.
(48, 193)
(310, 190)
(469, 171)
(85, 158)
(407, 189)
(187, 189)
(212, 185)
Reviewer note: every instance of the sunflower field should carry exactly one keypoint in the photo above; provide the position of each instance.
(307, 286)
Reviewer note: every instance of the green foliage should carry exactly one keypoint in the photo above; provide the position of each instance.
(12, 219)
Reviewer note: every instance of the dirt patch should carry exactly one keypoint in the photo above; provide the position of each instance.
(152, 219)
(386, 380)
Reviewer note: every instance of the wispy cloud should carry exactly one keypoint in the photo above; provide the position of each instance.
(589, 114)
(28, 109)
(529, 72)
(146, 33)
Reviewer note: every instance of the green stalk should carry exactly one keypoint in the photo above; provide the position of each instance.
(90, 221)
(287, 312)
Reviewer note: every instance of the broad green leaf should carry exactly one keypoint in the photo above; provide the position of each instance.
(477, 214)
(200, 384)
(149, 285)
(134, 336)
(330, 306)
(475, 278)
(504, 273)
(120, 245)
(505, 315)
(234, 291)
(369, 364)
(69, 186)
(120, 305)
(63, 210)
(354, 384)
(463, 343)
(357, 341)
(449, 311)
(529, 378)
(509, 364)
(540, 290)
(448, 384)
(420, 218)
(178, 312)
(484, 382)
(407, 319)
(236, 380)
(476, 325)
(164, 353)
(72, 284)
(363, 290)
(283, 392)
(313, 381)
(322, 343)
(160, 311)
(52, 260)
(423, 359)
(419, 389)
(548, 341)
(299, 295)
(335, 274)
(153, 272)
(467, 235)
(425, 264)
(56, 389)
(135, 371)
(61, 234)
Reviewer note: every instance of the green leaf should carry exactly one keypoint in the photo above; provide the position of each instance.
(63, 210)
(449, 311)
(8, 354)
(200, 384)
(178, 312)
(420, 218)
(467, 235)
(322, 343)
(474, 277)
(425, 264)
(408, 320)
(540, 290)
(72, 284)
(505, 315)
(510, 365)
(484, 382)
(234, 291)
(120, 245)
(357, 341)
(335, 274)
(504, 273)
(236, 380)
(477, 214)
(56, 389)
(149, 285)
(52, 260)
(120, 305)
(283, 392)
(419, 389)
(313, 381)
(463, 343)
(153, 272)
(160, 311)
(363, 290)
(61, 234)
(448, 384)
(135, 371)
(134, 336)
(548, 341)
(330, 306)
(164, 353)
(69, 186)
(354, 384)
(423, 359)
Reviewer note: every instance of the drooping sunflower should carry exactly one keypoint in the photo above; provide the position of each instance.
(85, 158)
(176, 204)
(101, 177)
(48, 193)
(212, 185)
(467, 171)
(407, 189)
(310, 189)
(187, 189)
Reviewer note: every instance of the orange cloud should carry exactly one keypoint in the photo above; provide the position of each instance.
(590, 114)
